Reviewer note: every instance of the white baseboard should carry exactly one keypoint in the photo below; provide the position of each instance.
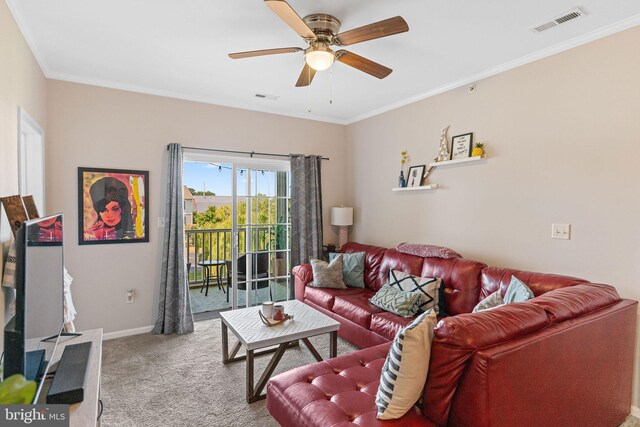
(635, 411)
(127, 332)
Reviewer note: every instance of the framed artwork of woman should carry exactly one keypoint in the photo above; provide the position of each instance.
(112, 206)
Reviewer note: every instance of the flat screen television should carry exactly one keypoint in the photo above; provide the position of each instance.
(39, 302)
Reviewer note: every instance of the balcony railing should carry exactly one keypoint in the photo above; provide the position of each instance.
(215, 244)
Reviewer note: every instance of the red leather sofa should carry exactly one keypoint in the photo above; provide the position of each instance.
(564, 358)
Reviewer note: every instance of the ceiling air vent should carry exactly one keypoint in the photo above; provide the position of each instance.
(565, 17)
(264, 96)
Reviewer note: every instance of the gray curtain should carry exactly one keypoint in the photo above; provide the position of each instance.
(306, 208)
(174, 311)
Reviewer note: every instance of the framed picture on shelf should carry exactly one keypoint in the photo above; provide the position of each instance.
(461, 146)
(112, 206)
(414, 176)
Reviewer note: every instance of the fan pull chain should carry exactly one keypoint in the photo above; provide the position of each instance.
(309, 90)
(331, 86)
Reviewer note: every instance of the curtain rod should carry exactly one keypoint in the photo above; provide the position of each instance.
(250, 153)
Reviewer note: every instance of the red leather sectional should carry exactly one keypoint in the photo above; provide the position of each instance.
(565, 358)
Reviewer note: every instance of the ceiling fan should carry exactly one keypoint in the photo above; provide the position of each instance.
(320, 31)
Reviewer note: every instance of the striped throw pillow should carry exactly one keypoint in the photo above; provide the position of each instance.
(405, 370)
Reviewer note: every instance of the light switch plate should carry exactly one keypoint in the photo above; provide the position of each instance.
(561, 231)
(160, 222)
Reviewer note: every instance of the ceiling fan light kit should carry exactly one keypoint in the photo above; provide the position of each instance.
(320, 31)
(319, 57)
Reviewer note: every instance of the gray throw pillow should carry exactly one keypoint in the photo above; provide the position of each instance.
(352, 268)
(402, 303)
(327, 275)
(517, 291)
(492, 301)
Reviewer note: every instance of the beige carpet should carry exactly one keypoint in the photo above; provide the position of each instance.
(150, 380)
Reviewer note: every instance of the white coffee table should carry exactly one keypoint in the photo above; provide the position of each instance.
(254, 335)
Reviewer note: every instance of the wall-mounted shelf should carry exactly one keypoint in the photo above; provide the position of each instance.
(457, 161)
(422, 187)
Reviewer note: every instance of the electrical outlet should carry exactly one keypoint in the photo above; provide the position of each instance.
(561, 231)
(130, 296)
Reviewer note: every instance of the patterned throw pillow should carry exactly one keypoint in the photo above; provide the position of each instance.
(405, 370)
(427, 287)
(352, 268)
(402, 303)
(327, 275)
(427, 251)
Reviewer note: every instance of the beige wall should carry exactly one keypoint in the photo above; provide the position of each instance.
(21, 84)
(97, 127)
(563, 143)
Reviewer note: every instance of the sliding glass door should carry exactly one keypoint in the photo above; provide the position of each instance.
(237, 231)
(263, 229)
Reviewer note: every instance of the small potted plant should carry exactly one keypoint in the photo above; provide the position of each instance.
(16, 390)
(478, 150)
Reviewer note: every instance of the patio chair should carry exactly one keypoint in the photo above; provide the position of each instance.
(260, 269)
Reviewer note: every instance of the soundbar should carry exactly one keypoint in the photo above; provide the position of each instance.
(69, 381)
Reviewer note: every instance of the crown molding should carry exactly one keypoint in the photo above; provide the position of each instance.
(186, 97)
(523, 60)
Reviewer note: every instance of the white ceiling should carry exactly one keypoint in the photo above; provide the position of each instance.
(179, 48)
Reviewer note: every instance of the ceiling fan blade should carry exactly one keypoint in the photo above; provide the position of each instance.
(290, 17)
(363, 64)
(387, 27)
(306, 76)
(250, 53)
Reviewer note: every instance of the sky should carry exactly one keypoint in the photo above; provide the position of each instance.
(211, 177)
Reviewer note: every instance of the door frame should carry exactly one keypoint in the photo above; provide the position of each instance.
(236, 163)
(30, 133)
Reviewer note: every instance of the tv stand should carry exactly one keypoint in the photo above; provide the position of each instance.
(86, 412)
(63, 334)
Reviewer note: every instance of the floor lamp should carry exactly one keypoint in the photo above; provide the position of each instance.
(342, 217)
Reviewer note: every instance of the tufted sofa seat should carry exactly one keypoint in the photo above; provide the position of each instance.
(563, 358)
(337, 392)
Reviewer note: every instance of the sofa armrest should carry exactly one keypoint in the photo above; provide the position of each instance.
(302, 275)
(459, 337)
(577, 372)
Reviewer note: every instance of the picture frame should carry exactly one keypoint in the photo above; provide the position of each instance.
(414, 176)
(461, 146)
(112, 206)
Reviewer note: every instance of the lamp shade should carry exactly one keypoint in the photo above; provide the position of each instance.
(341, 216)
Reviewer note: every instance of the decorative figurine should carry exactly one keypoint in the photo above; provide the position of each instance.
(443, 154)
